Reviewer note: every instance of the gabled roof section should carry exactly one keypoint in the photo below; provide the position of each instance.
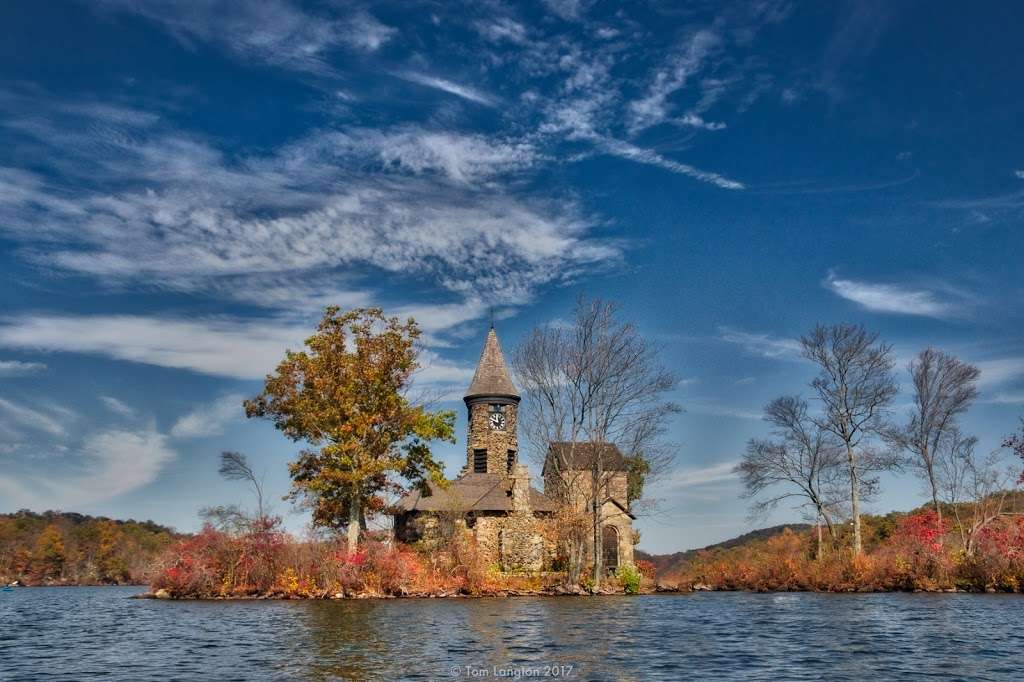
(491, 377)
(625, 510)
(471, 493)
(584, 457)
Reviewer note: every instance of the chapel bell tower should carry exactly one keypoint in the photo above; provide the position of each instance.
(492, 446)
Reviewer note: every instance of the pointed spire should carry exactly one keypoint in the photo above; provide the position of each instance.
(491, 377)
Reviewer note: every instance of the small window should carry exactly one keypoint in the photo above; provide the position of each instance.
(480, 461)
(511, 459)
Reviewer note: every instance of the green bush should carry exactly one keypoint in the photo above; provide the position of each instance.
(629, 578)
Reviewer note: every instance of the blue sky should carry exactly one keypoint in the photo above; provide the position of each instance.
(184, 186)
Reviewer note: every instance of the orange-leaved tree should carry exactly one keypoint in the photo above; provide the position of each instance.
(347, 396)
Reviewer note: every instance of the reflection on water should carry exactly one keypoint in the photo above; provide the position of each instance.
(97, 633)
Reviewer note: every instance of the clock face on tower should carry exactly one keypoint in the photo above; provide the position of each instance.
(497, 421)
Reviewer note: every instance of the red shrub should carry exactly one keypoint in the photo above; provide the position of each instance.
(195, 566)
(923, 532)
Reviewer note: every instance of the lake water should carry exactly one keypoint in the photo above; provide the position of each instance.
(98, 633)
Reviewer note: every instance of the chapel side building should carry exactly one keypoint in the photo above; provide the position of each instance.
(570, 470)
(492, 497)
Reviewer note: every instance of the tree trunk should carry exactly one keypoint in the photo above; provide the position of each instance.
(598, 546)
(817, 554)
(935, 499)
(353, 519)
(855, 499)
(828, 523)
(574, 557)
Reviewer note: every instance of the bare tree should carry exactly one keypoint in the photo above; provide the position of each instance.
(234, 466)
(805, 462)
(596, 381)
(229, 518)
(944, 387)
(1015, 442)
(977, 489)
(855, 385)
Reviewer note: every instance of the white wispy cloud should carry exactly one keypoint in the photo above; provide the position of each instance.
(121, 461)
(274, 31)
(585, 117)
(463, 158)
(630, 151)
(220, 346)
(217, 346)
(439, 317)
(501, 29)
(33, 419)
(365, 31)
(400, 227)
(109, 464)
(997, 371)
(718, 410)
(1009, 201)
(654, 107)
(689, 478)
(694, 121)
(210, 419)
(891, 298)
(764, 345)
(566, 9)
(464, 91)
(439, 375)
(1019, 174)
(421, 203)
(1007, 398)
(117, 407)
(17, 368)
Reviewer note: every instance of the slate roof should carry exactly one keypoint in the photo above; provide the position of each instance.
(582, 456)
(472, 492)
(491, 377)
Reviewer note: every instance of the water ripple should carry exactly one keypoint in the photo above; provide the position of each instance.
(97, 633)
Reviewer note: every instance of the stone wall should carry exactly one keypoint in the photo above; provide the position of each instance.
(497, 443)
(618, 487)
(575, 490)
(520, 543)
(514, 542)
(613, 516)
(517, 542)
(576, 487)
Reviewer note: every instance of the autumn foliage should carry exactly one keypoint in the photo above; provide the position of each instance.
(903, 552)
(55, 548)
(268, 562)
(346, 397)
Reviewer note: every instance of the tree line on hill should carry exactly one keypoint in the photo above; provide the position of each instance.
(59, 548)
(904, 551)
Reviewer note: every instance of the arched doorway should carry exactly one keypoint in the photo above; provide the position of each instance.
(610, 547)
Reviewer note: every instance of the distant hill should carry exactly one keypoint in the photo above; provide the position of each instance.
(65, 548)
(670, 563)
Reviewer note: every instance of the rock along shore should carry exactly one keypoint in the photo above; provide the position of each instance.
(557, 591)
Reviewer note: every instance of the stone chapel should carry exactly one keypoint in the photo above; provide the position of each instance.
(492, 496)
